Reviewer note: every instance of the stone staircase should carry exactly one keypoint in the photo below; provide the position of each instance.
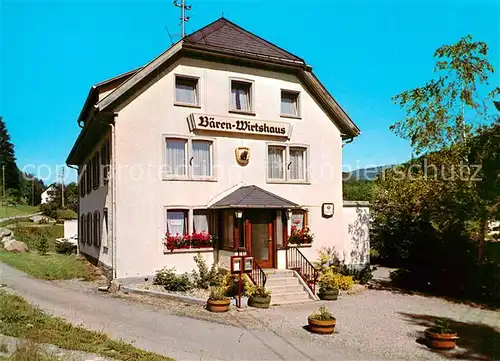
(287, 287)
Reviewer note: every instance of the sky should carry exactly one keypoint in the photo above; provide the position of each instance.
(364, 52)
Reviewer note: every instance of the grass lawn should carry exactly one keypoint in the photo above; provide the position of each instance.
(20, 319)
(30, 233)
(9, 211)
(53, 266)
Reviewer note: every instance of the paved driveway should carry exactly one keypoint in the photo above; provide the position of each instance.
(159, 331)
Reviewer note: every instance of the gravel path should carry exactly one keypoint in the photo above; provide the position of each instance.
(386, 325)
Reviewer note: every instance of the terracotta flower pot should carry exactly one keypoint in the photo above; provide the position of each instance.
(440, 341)
(329, 295)
(259, 302)
(322, 327)
(218, 305)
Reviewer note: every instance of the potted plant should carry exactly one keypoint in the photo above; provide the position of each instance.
(322, 321)
(440, 337)
(218, 301)
(328, 288)
(259, 297)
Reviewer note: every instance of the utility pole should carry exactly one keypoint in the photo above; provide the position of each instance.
(184, 18)
(62, 188)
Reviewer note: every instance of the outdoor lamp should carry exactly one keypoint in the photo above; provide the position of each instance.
(288, 213)
(239, 214)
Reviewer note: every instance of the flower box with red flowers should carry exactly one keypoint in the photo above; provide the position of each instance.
(197, 240)
(202, 240)
(177, 241)
(301, 236)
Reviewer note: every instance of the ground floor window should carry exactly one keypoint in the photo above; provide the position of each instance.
(177, 221)
(88, 232)
(298, 218)
(200, 221)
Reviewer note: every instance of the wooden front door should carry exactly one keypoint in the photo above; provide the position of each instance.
(260, 231)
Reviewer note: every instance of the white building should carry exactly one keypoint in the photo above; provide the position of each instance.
(223, 133)
(46, 197)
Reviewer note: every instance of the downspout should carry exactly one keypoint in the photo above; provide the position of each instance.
(113, 195)
(78, 205)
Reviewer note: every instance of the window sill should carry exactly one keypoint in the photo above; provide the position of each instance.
(187, 105)
(290, 116)
(164, 178)
(303, 245)
(244, 112)
(288, 182)
(187, 250)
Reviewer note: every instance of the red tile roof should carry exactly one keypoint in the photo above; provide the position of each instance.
(225, 35)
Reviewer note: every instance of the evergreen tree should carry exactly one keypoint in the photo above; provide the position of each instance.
(8, 159)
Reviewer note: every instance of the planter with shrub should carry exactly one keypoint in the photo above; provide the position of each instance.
(440, 336)
(322, 322)
(259, 297)
(218, 301)
(328, 287)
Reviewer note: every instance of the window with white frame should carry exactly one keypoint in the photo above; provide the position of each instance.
(200, 221)
(186, 90)
(295, 158)
(276, 162)
(176, 157)
(289, 103)
(201, 158)
(189, 158)
(241, 95)
(297, 166)
(177, 221)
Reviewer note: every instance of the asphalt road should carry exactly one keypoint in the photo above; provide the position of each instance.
(180, 337)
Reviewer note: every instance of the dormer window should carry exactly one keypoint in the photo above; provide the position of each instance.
(241, 96)
(186, 91)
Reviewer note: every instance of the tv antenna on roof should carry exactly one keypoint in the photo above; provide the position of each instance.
(184, 19)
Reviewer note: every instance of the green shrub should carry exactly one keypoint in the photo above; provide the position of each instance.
(327, 282)
(218, 293)
(42, 245)
(205, 278)
(343, 282)
(322, 315)
(168, 278)
(66, 214)
(65, 247)
(361, 276)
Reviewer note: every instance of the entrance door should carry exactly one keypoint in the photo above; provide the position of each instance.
(262, 237)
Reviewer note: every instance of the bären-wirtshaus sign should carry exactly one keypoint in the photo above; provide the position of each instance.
(218, 123)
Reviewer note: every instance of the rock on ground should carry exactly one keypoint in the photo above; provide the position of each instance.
(42, 218)
(5, 232)
(12, 343)
(16, 246)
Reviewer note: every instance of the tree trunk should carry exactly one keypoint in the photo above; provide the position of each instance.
(482, 237)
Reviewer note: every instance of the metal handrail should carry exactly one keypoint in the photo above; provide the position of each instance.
(296, 261)
(258, 275)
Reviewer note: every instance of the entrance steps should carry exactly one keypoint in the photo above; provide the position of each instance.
(287, 287)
